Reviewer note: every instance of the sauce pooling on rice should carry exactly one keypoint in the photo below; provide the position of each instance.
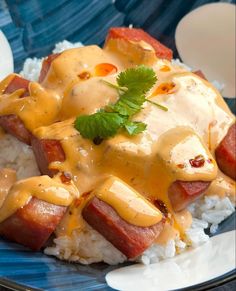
(177, 145)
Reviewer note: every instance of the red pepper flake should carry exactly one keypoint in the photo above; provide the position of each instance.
(79, 200)
(164, 88)
(181, 166)
(105, 69)
(161, 206)
(197, 162)
(84, 75)
(65, 178)
(165, 68)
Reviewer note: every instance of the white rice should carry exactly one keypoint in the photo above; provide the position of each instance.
(31, 69)
(86, 247)
(178, 63)
(65, 45)
(219, 86)
(16, 155)
(212, 210)
(156, 252)
(89, 246)
(32, 66)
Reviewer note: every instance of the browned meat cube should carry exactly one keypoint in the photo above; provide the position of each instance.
(46, 66)
(136, 35)
(32, 224)
(226, 153)
(130, 239)
(47, 151)
(200, 74)
(182, 193)
(18, 83)
(13, 125)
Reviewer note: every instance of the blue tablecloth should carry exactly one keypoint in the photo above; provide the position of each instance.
(34, 26)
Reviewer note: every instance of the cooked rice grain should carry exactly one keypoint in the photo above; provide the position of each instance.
(18, 156)
(89, 246)
(85, 247)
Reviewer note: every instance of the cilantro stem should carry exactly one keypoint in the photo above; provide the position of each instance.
(131, 86)
(162, 107)
(124, 89)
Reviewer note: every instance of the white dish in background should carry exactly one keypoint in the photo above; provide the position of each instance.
(209, 261)
(6, 58)
(205, 40)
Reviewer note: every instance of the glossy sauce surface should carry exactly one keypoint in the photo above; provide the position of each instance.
(128, 203)
(149, 162)
(7, 179)
(43, 188)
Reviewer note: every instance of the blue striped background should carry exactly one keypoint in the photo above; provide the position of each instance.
(32, 28)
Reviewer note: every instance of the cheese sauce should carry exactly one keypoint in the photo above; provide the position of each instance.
(128, 203)
(222, 186)
(40, 108)
(149, 162)
(43, 188)
(5, 82)
(7, 179)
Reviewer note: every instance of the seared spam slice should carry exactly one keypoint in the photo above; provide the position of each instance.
(200, 74)
(14, 126)
(47, 151)
(32, 224)
(46, 66)
(18, 83)
(130, 239)
(182, 193)
(137, 35)
(226, 153)
(12, 123)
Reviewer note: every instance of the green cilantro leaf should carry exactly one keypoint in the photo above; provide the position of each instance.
(134, 127)
(100, 124)
(129, 103)
(132, 86)
(138, 79)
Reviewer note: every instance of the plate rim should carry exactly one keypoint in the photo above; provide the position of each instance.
(218, 281)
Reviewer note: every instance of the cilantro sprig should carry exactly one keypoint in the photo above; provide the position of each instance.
(132, 86)
(100, 124)
(138, 82)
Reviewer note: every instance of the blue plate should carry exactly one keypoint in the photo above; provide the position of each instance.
(32, 28)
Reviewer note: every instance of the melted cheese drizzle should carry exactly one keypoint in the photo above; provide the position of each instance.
(128, 203)
(222, 186)
(4, 83)
(149, 162)
(7, 179)
(43, 188)
(43, 104)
